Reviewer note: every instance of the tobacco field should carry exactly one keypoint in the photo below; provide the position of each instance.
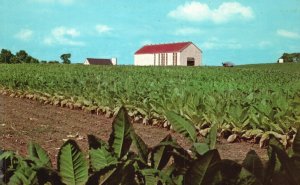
(250, 101)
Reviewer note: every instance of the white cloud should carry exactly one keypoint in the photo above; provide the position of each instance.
(187, 31)
(264, 44)
(215, 43)
(64, 2)
(196, 11)
(63, 36)
(288, 34)
(146, 42)
(101, 28)
(24, 34)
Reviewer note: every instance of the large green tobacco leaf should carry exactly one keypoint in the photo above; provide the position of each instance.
(151, 176)
(6, 155)
(182, 126)
(160, 154)
(23, 175)
(72, 166)
(200, 148)
(211, 138)
(230, 172)
(17, 170)
(125, 174)
(37, 152)
(120, 139)
(47, 176)
(102, 177)
(99, 153)
(199, 168)
(254, 165)
(270, 166)
(114, 174)
(288, 165)
(275, 142)
(154, 176)
(141, 146)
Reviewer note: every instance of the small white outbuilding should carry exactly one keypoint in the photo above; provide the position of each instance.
(169, 54)
(280, 61)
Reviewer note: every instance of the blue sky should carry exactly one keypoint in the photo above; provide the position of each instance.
(241, 31)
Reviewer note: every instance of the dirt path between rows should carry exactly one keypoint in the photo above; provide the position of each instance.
(23, 120)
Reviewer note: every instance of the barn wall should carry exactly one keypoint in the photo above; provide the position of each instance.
(144, 60)
(148, 59)
(156, 55)
(170, 59)
(178, 59)
(191, 51)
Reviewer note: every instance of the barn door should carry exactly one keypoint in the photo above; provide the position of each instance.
(190, 61)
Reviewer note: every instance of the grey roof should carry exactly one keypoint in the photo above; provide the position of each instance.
(228, 64)
(99, 61)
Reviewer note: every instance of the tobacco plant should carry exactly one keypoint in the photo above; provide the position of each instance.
(238, 100)
(167, 163)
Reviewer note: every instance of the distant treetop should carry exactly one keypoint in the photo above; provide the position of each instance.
(291, 57)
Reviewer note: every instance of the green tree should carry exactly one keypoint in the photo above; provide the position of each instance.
(65, 58)
(22, 56)
(291, 57)
(53, 62)
(31, 59)
(5, 56)
(14, 60)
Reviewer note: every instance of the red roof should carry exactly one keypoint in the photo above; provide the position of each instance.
(163, 48)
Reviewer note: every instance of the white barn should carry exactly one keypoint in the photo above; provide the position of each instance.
(170, 54)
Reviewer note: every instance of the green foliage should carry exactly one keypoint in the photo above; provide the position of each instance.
(165, 164)
(5, 56)
(198, 171)
(254, 165)
(72, 166)
(239, 99)
(210, 142)
(182, 126)
(53, 62)
(211, 138)
(291, 57)
(229, 172)
(21, 57)
(65, 58)
(39, 155)
(120, 138)
(23, 175)
(160, 154)
(100, 156)
(142, 148)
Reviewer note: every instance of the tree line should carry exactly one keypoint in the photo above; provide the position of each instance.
(7, 57)
(291, 57)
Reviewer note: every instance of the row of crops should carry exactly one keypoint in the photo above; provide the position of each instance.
(167, 163)
(250, 101)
